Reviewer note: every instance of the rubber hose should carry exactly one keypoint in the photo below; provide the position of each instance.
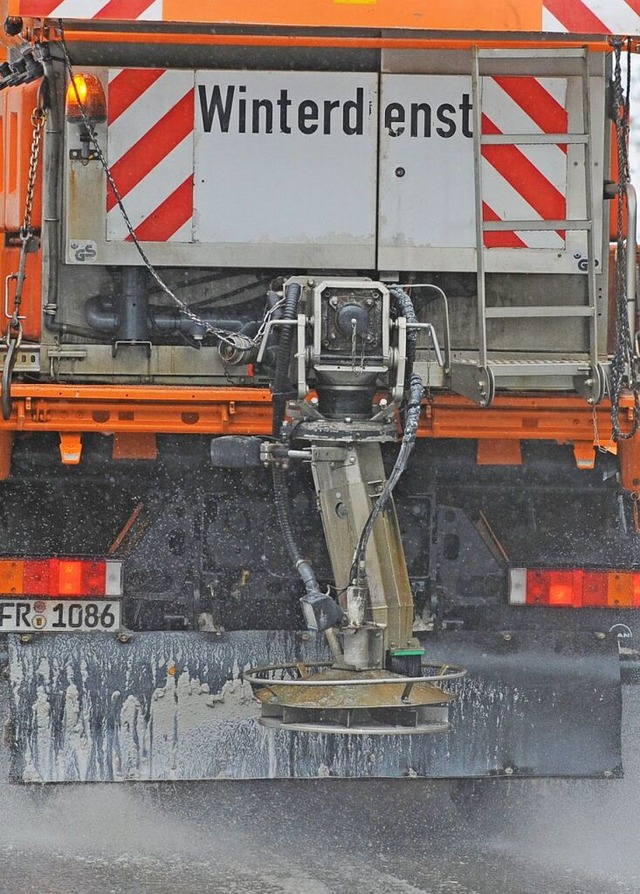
(404, 306)
(281, 502)
(283, 358)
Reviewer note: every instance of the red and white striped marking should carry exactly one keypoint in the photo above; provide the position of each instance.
(591, 16)
(524, 182)
(150, 154)
(126, 10)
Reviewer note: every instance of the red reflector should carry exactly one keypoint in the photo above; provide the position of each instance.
(94, 578)
(36, 580)
(595, 589)
(537, 588)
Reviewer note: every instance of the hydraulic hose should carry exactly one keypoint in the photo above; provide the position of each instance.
(279, 389)
(328, 612)
(404, 306)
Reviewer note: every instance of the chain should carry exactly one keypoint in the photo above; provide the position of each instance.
(13, 336)
(38, 118)
(624, 363)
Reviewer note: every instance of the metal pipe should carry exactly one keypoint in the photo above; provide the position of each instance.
(632, 251)
(447, 328)
(52, 194)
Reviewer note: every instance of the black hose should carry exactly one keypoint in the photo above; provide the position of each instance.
(404, 306)
(281, 388)
(328, 612)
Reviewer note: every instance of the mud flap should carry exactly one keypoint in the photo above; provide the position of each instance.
(174, 706)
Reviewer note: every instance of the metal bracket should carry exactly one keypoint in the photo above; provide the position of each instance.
(147, 345)
(27, 359)
(475, 382)
(84, 157)
(593, 385)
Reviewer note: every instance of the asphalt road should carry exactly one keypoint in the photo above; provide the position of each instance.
(321, 837)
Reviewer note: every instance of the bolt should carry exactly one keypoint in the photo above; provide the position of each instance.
(600, 635)
(333, 301)
(314, 401)
(352, 460)
(125, 637)
(25, 638)
(305, 637)
(509, 771)
(348, 420)
(608, 774)
(383, 402)
(507, 637)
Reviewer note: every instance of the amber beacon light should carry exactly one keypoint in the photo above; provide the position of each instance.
(85, 101)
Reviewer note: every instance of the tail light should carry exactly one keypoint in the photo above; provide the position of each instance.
(61, 577)
(574, 588)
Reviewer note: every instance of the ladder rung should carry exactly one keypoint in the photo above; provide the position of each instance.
(538, 311)
(540, 139)
(509, 368)
(500, 226)
(513, 53)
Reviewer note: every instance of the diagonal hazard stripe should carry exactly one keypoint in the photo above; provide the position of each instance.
(575, 16)
(38, 7)
(123, 9)
(164, 136)
(111, 9)
(169, 216)
(538, 103)
(635, 6)
(128, 86)
(507, 239)
(524, 177)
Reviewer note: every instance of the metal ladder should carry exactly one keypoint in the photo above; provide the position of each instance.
(477, 378)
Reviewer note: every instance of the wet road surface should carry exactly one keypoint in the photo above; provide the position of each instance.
(326, 836)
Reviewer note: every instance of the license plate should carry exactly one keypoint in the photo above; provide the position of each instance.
(55, 615)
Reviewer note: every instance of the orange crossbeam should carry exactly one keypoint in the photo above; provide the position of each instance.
(139, 408)
(166, 409)
(563, 418)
